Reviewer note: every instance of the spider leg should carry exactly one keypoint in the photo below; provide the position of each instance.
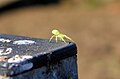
(51, 38)
(68, 38)
(56, 38)
(62, 39)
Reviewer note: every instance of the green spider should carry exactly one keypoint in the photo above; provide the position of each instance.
(59, 35)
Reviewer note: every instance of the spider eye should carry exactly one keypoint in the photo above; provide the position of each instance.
(55, 32)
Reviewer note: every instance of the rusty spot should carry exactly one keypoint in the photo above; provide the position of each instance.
(3, 58)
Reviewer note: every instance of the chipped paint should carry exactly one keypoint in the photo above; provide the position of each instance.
(5, 51)
(19, 63)
(20, 42)
(18, 68)
(26, 66)
(18, 58)
(4, 40)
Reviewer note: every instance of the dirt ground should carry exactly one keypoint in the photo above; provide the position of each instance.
(96, 31)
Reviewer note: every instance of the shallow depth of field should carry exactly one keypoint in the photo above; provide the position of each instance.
(94, 25)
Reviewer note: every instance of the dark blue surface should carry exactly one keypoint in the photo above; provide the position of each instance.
(43, 51)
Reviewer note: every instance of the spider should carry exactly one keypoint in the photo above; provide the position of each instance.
(59, 35)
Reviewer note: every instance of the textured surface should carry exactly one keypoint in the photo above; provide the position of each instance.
(21, 54)
(64, 69)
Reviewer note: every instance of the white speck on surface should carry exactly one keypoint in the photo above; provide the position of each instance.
(5, 51)
(4, 65)
(18, 59)
(44, 53)
(20, 42)
(4, 40)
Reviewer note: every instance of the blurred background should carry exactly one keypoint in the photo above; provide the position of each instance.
(94, 25)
